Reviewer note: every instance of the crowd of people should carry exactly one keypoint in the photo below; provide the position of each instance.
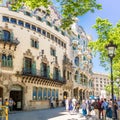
(101, 108)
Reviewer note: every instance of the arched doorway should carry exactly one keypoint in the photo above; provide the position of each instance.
(65, 95)
(1, 92)
(16, 94)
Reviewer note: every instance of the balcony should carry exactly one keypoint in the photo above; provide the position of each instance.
(10, 43)
(44, 75)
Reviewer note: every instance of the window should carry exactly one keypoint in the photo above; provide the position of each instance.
(34, 43)
(34, 93)
(21, 23)
(77, 61)
(52, 37)
(53, 52)
(7, 61)
(27, 25)
(5, 19)
(27, 65)
(39, 93)
(6, 35)
(44, 32)
(33, 27)
(39, 30)
(13, 20)
(28, 13)
(48, 35)
(56, 28)
(56, 74)
(44, 70)
(59, 41)
(63, 33)
(45, 93)
(78, 36)
(56, 39)
(39, 18)
(48, 23)
(64, 45)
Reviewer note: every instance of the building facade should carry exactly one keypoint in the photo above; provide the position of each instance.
(100, 82)
(37, 57)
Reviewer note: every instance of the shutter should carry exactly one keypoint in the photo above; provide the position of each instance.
(54, 74)
(48, 71)
(37, 44)
(11, 36)
(59, 75)
(41, 69)
(24, 65)
(34, 68)
(1, 35)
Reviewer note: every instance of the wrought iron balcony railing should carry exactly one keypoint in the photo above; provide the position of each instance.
(43, 75)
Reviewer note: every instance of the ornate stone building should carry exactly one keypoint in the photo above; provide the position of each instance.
(38, 59)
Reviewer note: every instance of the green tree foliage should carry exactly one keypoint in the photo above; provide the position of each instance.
(106, 33)
(116, 89)
(70, 9)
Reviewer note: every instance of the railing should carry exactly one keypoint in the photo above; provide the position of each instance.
(10, 40)
(3, 113)
(44, 75)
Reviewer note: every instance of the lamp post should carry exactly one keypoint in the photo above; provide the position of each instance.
(111, 54)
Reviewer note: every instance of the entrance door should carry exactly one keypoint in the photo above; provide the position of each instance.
(17, 95)
(1, 92)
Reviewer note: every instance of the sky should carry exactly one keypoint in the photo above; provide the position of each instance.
(111, 11)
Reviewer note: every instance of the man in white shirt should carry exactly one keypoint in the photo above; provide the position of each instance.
(74, 101)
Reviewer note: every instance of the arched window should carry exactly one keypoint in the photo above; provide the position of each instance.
(9, 59)
(76, 76)
(77, 61)
(3, 60)
(6, 35)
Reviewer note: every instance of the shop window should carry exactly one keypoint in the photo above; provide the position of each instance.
(45, 93)
(34, 93)
(40, 94)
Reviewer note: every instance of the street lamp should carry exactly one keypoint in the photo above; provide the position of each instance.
(111, 54)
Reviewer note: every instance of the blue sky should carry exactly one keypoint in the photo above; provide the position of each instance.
(111, 11)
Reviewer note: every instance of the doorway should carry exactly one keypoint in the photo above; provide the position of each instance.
(1, 93)
(17, 95)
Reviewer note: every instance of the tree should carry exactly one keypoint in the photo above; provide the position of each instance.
(106, 33)
(70, 9)
(116, 89)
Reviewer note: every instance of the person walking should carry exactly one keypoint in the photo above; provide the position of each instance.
(104, 106)
(84, 108)
(67, 104)
(74, 101)
(95, 105)
(51, 102)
